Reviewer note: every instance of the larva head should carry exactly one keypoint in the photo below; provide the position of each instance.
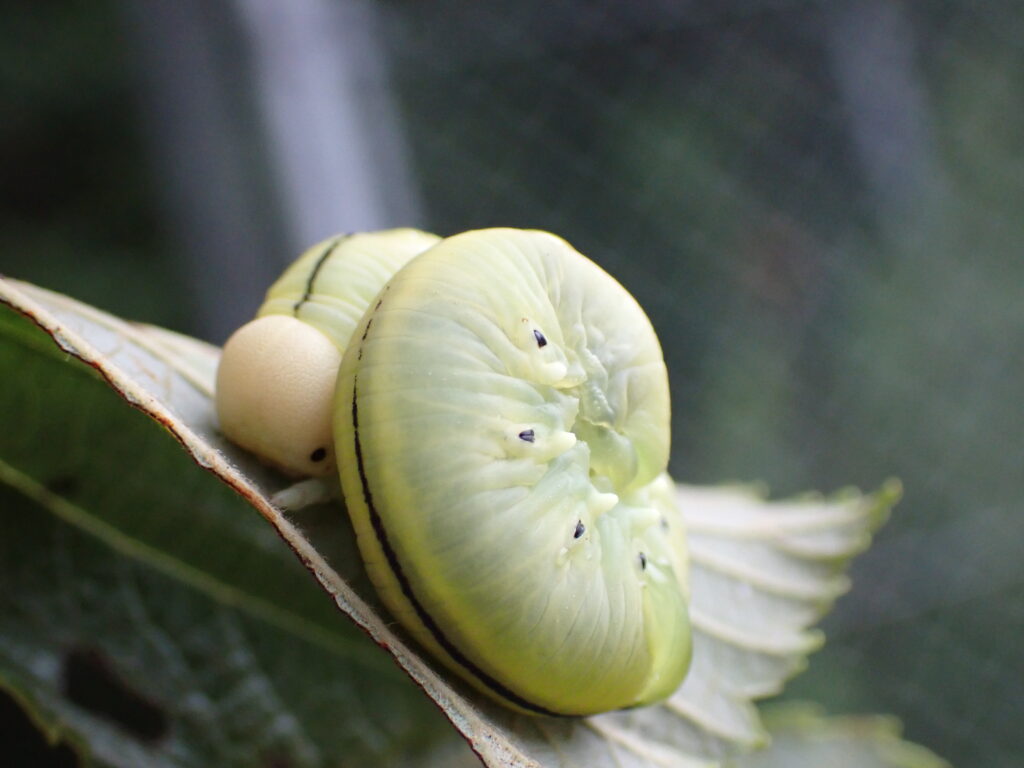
(275, 387)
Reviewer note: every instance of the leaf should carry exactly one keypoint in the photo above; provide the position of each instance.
(147, 615)
(803, 737)
(763, 572)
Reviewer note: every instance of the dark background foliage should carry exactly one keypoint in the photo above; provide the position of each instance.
(820, 204)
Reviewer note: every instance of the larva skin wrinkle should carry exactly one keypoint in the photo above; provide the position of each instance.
(549, 572)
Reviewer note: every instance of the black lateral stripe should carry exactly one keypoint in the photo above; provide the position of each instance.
(403, 580)
(328, 250)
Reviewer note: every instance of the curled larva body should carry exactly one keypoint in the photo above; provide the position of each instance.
(275, 381)
(331, 285)
(501, 422)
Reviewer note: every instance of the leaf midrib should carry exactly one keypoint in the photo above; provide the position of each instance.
(186, 574)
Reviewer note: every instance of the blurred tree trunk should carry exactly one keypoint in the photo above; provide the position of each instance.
(273, 126)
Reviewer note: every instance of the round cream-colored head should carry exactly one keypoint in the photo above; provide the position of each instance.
(275, 388)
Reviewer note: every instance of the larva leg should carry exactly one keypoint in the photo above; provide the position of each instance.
(306, 493)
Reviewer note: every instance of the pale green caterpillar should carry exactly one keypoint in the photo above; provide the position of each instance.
(501, 427)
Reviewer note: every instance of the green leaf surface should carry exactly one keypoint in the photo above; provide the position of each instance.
(180, 591)
(803, 737)
(123, 565)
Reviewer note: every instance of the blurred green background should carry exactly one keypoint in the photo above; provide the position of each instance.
(820, 204)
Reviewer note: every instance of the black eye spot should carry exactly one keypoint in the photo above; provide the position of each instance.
(580, 529)
(527, 435)
(664, 524)
(643, 562)
(541, 341)
(318, 455)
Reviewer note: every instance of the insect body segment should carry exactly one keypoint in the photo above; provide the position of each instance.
(471, 534)
(500, 421)
(332, 284)
(275, 382)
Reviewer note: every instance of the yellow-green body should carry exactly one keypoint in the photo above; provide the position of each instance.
(498, 409)
(331, 284)
(502, 431)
